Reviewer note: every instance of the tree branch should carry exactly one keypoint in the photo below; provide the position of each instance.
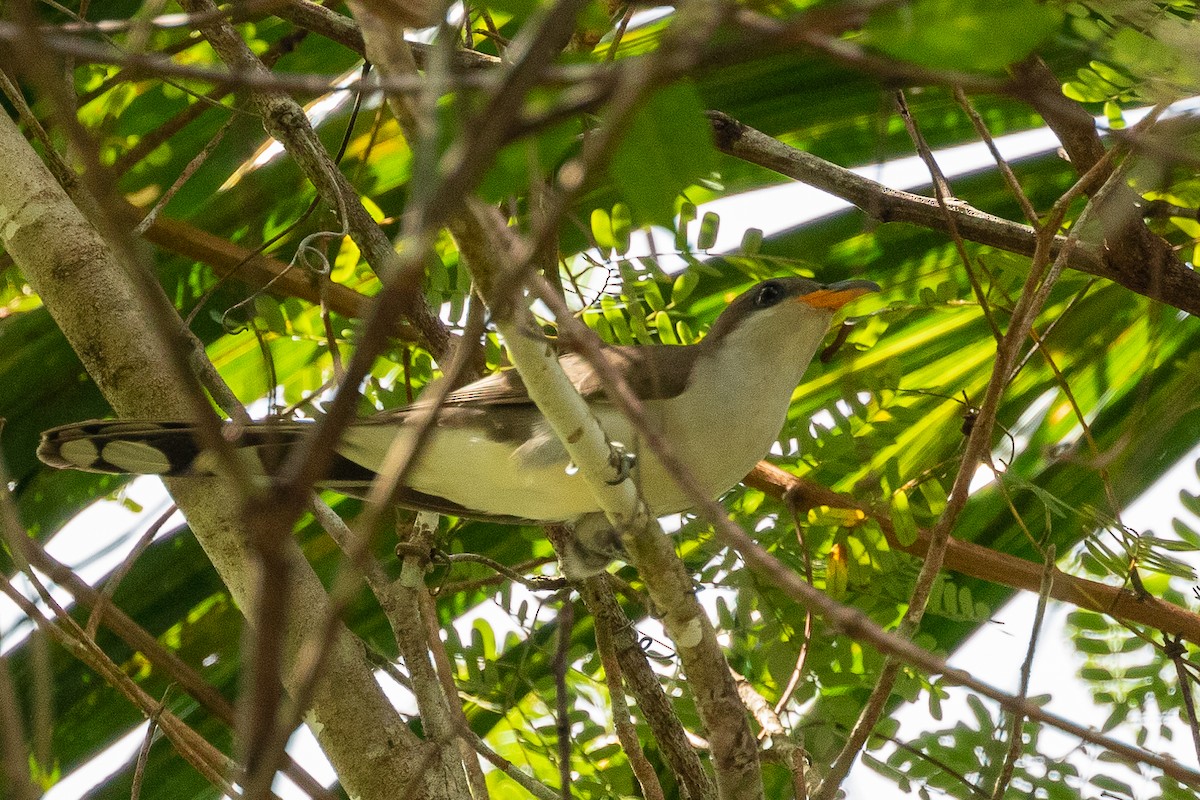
(644, 684)
(486, 243)
(94, 301)
(622, 723)
(1174, 284)
(284, 119)
(980, 562)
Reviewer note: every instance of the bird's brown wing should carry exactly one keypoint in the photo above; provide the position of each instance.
(652, 372)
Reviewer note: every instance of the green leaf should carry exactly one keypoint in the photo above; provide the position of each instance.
(1186, 533)
(684, 332)
(935, 495)
(666, 148)
(687, 215)
(963, 35)
(1190, 501)
(666, 331)
(902, 519)
(641, 332)
(602, 231)
(653, 297)
(622, 227)
(616, 319)
(752, 241)
(509, 173)
(710, 223)
(598, 322)
(685, 283)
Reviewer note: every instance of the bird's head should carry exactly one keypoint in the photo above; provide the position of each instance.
(782, 309)
(778, 325)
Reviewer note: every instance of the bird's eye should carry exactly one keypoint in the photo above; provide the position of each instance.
(768, 295)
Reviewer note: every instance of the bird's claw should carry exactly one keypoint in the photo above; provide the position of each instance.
(622, 461)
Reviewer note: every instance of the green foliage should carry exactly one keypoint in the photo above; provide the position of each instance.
(947, 34)
(965, 760)
(1148, 56)
(882, 417)
(666, 148)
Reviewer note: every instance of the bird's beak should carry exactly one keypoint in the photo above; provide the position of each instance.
(836, 295)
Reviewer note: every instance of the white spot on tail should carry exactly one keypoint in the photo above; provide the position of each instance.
(81, 452)
(137, 457)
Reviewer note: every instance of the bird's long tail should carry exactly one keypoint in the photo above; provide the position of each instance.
(161, 448)
(169, 449)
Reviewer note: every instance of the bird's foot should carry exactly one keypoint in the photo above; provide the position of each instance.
(622, 460)
(591, 547)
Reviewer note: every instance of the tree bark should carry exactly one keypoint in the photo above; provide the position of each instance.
(105, 314)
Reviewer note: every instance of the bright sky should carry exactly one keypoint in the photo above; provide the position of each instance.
(100, 537)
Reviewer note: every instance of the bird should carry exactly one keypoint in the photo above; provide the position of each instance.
(721, 402)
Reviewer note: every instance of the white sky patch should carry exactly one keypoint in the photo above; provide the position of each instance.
(994, 654)
(316, 111)
(100, 767)
(92, 544)
(984, 475)
(399, 696)
(305, 751)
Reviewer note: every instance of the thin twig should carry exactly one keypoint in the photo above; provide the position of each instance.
(535, 582)
(139, 768)
(985, 564)
(207, 760)
(104, 597)
(944, 195)
(445, 673)
(529, 784)
(1174, 285)
(646, 688)
(439, 722)
(158, 656)
(1010, 178)
(562, 699)
(790, 754)
(521, 571)
(398, 599)
(978, 443)
(1175, 651)
(625, 730)
(184, 175)
(1015, 741)
(14, 748)
(789, 688)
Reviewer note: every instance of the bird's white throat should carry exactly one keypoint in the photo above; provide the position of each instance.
(735, 403)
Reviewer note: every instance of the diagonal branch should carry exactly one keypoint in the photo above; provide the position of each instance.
(1173, 284)
(284, 119)
(1042, 276)
(644, 684)
(485, 242)
(93, 299)
(980, 562)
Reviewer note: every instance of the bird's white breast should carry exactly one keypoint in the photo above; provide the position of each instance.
(725, 421)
